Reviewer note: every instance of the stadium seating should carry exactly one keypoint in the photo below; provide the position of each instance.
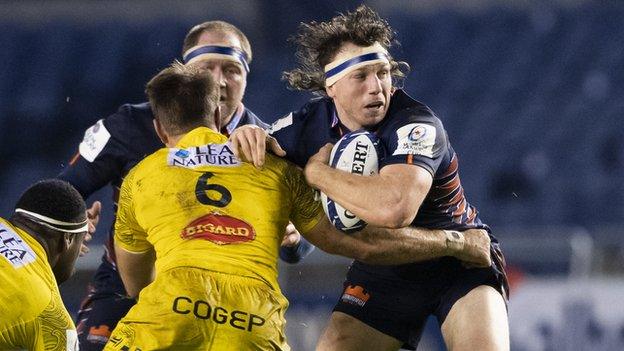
(531, 99)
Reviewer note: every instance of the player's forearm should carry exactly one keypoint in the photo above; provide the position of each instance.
(407, 245)
(374, 199)
(404, 245)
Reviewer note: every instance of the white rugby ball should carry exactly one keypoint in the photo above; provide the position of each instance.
(356, 152)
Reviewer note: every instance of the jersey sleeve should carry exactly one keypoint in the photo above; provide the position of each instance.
(128, 233)
(306, 211)
(53, 329)
(415, 139)
(97, 162)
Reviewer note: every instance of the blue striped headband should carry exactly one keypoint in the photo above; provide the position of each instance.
(351, 61)
(224, 52)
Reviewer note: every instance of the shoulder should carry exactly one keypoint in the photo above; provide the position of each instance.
(251, 118)
(314, 111)
(403, 106)
(151, 165)
(129, 115)
(408, 113)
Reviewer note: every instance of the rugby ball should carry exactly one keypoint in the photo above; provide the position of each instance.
(356, 152)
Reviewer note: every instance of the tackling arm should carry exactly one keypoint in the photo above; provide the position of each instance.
(381, 246)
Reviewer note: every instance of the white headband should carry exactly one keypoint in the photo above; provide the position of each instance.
(218, 51)
(349, 60)
(67, 227)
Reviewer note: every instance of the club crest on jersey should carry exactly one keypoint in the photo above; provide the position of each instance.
(355, 295)
(204, 155)
(14, 249)
(220, 229)
(416, 139)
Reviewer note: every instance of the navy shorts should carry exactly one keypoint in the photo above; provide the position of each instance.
(105, 304)
(397, 300)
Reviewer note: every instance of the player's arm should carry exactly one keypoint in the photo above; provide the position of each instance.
(95, 165)
(390, 199)
(381, 246)
(135, 255)
(378, 245)
(135, 268)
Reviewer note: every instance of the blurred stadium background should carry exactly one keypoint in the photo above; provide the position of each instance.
(530, 92)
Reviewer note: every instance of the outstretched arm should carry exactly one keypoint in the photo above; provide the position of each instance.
(381, 246)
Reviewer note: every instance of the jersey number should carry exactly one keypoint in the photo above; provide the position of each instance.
(203, 187)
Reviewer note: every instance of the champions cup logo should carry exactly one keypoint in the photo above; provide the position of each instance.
(219, 229)
(417, 133)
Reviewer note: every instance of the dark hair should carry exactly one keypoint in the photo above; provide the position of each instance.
(192, 37)
(54, 198)
(183, 98)
(317, 43)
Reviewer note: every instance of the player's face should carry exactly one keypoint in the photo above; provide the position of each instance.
(362, 97)
(64, 267)
(230, 75)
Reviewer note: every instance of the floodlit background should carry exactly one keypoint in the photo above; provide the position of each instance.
(530, 92)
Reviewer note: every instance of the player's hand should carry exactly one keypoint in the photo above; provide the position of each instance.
(249, 144)
(93, 217)
(476, 250)
(292, 236)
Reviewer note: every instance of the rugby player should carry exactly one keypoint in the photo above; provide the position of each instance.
(383, 308)
(197, 232)
(117, 143)
(39, 245)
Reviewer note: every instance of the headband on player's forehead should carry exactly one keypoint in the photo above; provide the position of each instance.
(61, 226)
(216, 51)
(349, 60)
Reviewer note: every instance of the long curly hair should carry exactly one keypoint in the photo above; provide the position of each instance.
(317, 43)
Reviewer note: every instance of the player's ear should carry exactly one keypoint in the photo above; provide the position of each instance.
(66, 242)
(160, 131)
(330, 91)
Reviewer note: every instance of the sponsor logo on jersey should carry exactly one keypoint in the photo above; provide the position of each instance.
(416, 139)
(281, 123)
(94, 141)
(203, 310)
(355, 295)
(205, 155)
(99, 334)
(220, 229)
(14, 249)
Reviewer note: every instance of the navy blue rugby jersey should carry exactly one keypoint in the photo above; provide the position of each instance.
(410, 134)
(115, 144)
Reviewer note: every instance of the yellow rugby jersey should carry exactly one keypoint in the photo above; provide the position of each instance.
(198, 206)
(32, 314)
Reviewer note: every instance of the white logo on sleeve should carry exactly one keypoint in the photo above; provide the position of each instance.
(281, 123)
(72, 340)
(14, 249)
(95, 139)
(416, 139)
